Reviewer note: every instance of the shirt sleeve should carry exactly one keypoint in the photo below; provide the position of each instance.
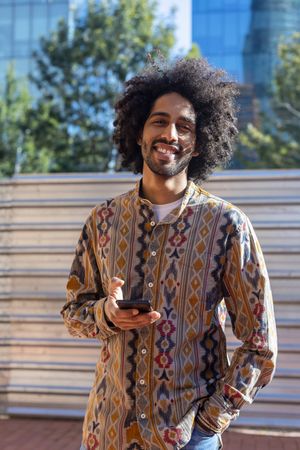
(249, 303)
(83, 313)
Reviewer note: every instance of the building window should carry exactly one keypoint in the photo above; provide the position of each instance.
(22, 26)
(5, 32)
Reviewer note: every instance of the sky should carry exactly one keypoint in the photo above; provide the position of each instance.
(182, 21)
(183, 16)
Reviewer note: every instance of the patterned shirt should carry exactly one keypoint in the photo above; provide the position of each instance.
(154, 383)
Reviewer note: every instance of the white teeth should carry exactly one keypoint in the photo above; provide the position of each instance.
(163, 150)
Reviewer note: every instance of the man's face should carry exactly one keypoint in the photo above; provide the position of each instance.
(168, 137)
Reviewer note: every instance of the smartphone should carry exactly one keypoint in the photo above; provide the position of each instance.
(140, 304)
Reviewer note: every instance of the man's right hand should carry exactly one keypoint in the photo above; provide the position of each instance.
(125, 319)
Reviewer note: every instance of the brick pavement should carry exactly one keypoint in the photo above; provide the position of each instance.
(46, 434)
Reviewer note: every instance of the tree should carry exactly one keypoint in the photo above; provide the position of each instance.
(277, 143)
(17, 149)
(80, 73)
(194, 51)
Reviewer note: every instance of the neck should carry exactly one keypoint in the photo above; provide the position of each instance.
(160, 190)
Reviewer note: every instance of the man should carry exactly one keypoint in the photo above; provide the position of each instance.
(163, 380)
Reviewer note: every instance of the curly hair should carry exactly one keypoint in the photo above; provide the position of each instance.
(210, 92)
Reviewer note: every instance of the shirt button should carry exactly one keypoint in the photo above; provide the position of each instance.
(142, 382)
(143, 416)
(153, 253)
(144, 351)
(150, 284)
(152, 223)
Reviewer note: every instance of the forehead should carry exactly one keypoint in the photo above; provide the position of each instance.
(174, 105)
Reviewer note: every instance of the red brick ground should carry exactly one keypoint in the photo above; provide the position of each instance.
(42, 434)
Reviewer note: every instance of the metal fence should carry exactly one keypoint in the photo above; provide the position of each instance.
(46, 372)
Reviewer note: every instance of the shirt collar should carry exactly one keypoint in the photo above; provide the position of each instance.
(192, 191)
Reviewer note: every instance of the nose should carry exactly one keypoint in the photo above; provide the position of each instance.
(170, 133)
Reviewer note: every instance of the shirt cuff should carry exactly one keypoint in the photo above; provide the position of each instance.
(203, 429)
(216, 414)
(106, 328)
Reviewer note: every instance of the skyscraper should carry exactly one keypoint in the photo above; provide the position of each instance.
(242, 37)
(219, 27)
(270, 21)
(22, 23)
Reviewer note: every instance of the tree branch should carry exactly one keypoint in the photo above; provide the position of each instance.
(291, 109)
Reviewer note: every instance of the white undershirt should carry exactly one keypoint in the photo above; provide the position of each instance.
(161, 211)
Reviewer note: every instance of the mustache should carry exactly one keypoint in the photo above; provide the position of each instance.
(165, 141)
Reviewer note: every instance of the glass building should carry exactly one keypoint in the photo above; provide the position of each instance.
(242, 37)
(22, 24)
(220, 27)
(270, 20)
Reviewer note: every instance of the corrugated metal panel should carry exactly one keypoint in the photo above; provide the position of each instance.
(46, 371)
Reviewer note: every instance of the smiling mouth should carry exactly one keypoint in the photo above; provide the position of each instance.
(165, 149)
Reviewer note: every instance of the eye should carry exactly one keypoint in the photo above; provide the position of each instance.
(185, 128)
(159, 121)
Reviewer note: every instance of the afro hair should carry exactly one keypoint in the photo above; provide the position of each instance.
(210, 92)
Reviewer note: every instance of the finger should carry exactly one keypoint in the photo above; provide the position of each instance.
(114, 288)
(139, 321)
(115, 282)
(119, 316)
(136, 317)
(123, 314)
(154, 315)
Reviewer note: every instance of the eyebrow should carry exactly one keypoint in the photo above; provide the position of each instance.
(162, 113)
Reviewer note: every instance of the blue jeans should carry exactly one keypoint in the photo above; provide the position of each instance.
(201, 441)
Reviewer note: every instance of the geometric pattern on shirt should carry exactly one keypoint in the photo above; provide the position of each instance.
(121, 242)
(246, 298)
(210, 359)
(131, 378)
(105, 215)
(141, 251)
(195, 263)
(172, 299)
(164, 346)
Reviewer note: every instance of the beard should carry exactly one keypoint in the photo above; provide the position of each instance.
(164, 168)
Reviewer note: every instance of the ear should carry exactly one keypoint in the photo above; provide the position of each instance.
(195, 153)
(139, 139)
